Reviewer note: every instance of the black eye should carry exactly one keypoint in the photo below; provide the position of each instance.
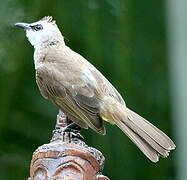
(37, 27)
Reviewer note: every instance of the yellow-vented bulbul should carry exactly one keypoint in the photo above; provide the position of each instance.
(83, 93)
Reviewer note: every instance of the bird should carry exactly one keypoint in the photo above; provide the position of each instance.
(82, 92)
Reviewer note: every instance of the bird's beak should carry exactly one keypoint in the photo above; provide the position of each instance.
(24, 26)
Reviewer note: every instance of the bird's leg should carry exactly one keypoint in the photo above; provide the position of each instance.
(74, 130)
(72, 127)
(66, 128)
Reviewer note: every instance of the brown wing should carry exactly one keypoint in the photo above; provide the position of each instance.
(104, 86)
(77, 90)
(67, 96)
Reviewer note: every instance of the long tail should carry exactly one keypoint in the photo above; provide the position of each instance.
(149, 139)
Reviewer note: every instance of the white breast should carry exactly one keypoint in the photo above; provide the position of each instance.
(38, 58)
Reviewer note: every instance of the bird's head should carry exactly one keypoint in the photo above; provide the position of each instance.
(42, 32)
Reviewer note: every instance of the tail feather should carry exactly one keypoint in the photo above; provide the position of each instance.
(144, 136)
(149, 139)
(141, 144)
(161, 138)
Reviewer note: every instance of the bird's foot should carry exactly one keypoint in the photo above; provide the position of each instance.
(72, 127)
(74, 130)
(71, 131)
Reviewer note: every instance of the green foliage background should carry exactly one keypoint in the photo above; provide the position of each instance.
(125, 40)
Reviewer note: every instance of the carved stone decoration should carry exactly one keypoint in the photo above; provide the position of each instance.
(66, 157)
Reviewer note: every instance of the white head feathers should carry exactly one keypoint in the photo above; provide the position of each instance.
(43, 32)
